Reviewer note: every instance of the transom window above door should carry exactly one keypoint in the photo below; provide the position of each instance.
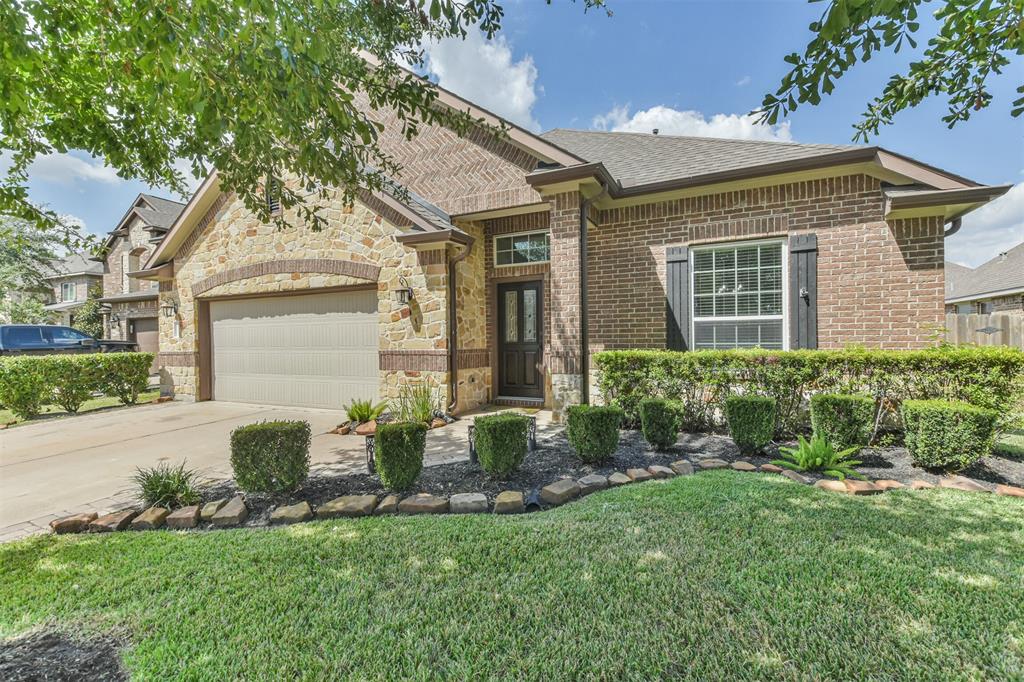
(522, 248)
(737, 296)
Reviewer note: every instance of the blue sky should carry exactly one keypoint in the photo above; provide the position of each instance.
(685, 67)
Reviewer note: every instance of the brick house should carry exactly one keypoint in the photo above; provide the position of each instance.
(69, 286)
(131, 302)
(509, 260)
(996, 286)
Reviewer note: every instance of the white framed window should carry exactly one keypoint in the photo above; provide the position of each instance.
(738, 294)
(272, 193)
(68, 291)
(522, 248)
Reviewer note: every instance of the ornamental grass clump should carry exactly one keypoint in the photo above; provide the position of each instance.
(593, 431)
(271, 456)
(843, 420)
(817, 454)
(660, 421)
(359, 411)
(167, 486)
(501, 442)
(398, 453)
(947, 435)
(751, 420)
(416, 404)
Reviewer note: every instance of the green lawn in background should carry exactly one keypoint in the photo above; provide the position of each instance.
(54, 411)
(1011, 444)
(719, 575)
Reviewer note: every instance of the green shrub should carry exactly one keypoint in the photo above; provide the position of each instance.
(843, 420)
(398, 453)
(166, 485)
(947, 434)
(501, 442)
(124, 375)
(416, 404)
(750, 419)
(271, 456)
(593, 431)
(360, 411)
(991, 377)
(660, 422)
(25, 386)
(74, 378)
(817, 454)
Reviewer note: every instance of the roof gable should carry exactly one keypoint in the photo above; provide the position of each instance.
(1004, 273)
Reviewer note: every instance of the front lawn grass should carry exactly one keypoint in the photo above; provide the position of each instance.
(55, 411)
(1011, 444)
(719, 575)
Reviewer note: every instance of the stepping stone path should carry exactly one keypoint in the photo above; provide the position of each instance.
(560, 492)
(468, 503)
(712, 463)
(509, 502)
(186, 517)
(794, 476)
(682, 468)
(659, 471)
(921, 485)
(150, 519)
(888, 484)
(211, 508)
(829, 484)
(423, 503)
(389, 505)
(592, 483)
(347, 506)
(232, 513)
(114, 521)
(619, 478)
(771, 468)
(294, 513)
(961, 483)
(1009, 490)
(743, 466)
(75, 523)
(639, 475)
(855, 487)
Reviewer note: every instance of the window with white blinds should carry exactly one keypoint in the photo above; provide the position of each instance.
(737, 296)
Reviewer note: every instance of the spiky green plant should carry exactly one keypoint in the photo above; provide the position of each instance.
(360, 411)
(166, 485)
(416, 404)
(817, 455)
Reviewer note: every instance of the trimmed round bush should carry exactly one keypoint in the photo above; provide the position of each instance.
(398, 453)
(593, 431)
(843, 420)
(948, 435)
(501, 442)
(659, 420)
(271, 456)
(751, 420)
(25, 385)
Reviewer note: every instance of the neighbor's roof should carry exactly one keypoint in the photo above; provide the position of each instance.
(64, 305)
(75, 264)
(1002, 275)
(155, 212)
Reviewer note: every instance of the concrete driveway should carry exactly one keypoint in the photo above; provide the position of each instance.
(63, 466)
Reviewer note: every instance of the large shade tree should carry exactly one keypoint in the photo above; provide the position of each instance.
(974, 41)
(259, 90)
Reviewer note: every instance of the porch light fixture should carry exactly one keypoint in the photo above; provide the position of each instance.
(169, 309)
(403, 294)
(115, 318)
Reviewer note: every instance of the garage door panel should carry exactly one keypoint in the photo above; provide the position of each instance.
(316, 350)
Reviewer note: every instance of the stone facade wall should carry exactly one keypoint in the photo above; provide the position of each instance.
(473, 372)
(137, 246)
(412, 338)
(879, 284)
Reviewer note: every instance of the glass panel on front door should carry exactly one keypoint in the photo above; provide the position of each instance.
(511, 317)
(529, 315)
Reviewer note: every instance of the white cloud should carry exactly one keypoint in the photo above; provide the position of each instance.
(990, 230)
(746, 80)
(670, 121)
(66, 169)
(484, 72)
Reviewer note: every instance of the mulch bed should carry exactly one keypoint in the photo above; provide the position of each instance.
(554, 459)
(53, 655)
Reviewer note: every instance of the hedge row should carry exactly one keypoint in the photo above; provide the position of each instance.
(28, 382)
(700, 381)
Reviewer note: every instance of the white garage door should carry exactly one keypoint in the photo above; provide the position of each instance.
(317, 350)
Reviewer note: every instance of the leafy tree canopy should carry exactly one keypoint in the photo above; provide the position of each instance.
(975, 41)
(89, 317)
(256, 89)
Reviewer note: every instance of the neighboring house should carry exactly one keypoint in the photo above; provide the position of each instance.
(71, 281)
(132, 314)
(996, 286)
(511, 260)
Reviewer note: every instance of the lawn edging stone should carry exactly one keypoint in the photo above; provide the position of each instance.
(560, 492)
(114, 521)
(659, 471)
(150, 519)
(233, 513)
(1009, 490)
(618, 478)
(184, 518)
(591, 484)
(74, 523)
(423, 503)
(639, 475)
(962, 483)
(467, 503)
(509, 502)
(389, 505)
(347, 506)
(211, 508)
(682, 468)
(293, 513)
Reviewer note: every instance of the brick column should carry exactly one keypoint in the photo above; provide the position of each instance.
(563, 356)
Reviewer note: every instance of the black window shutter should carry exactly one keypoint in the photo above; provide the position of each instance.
(803, 291)
(677, 299)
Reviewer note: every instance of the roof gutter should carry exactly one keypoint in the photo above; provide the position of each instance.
(435, 237)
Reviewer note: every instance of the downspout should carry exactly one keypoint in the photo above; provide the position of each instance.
(453, 332)
(584, 315)
(954, 227)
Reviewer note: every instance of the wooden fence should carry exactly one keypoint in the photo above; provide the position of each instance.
(1001, 329)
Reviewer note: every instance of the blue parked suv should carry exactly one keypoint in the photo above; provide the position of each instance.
(44, 339)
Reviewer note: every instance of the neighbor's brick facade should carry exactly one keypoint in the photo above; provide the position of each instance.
(1000, 304)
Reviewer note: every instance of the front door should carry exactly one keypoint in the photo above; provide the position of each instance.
(520, 340)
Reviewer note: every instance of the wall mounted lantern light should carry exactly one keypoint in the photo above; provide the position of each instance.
(169, 309)
(115, 318)
(403, 294)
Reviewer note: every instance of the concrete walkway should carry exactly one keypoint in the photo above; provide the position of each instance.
(57, 467)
